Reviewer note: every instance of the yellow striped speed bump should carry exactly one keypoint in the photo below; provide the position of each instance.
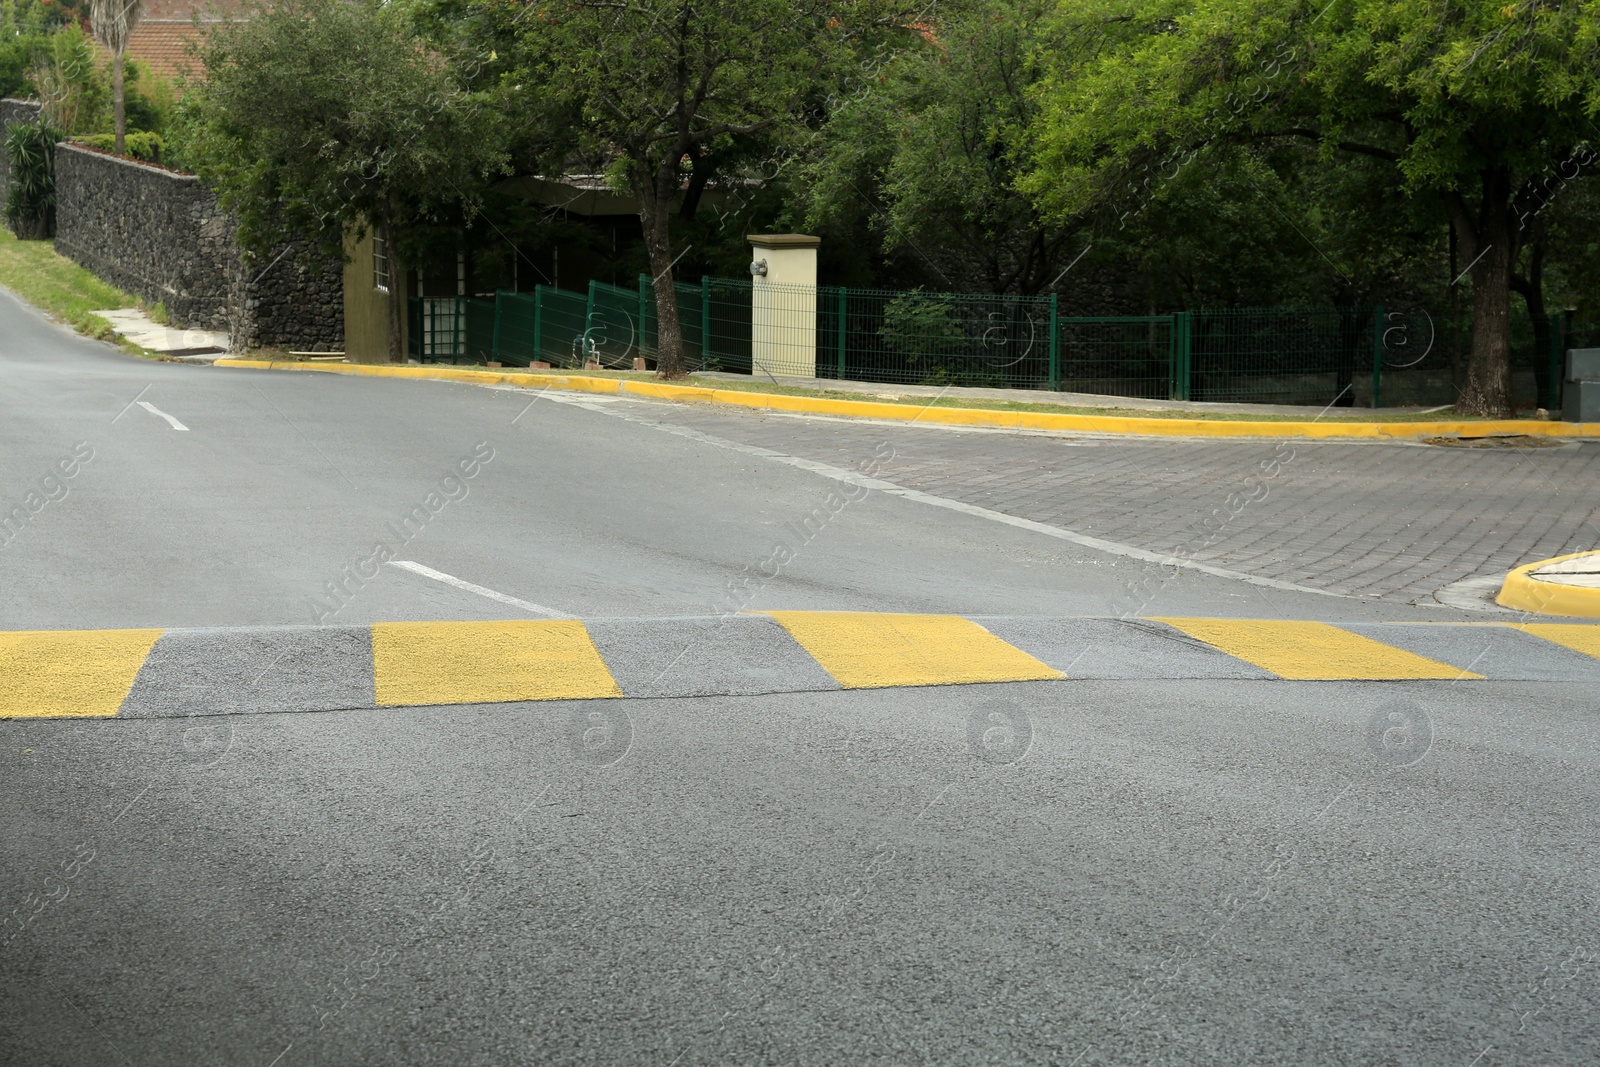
(1313, 651)
(1579, 637)
(178, 672)
(486, 663)
(871, 650)
(50, 673)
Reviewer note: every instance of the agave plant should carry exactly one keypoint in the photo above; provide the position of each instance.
(31, 202)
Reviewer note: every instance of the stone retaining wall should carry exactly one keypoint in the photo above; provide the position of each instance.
(163, 236)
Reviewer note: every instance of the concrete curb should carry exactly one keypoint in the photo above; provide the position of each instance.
(1017, 420)
(1522, 591)
(154, 673)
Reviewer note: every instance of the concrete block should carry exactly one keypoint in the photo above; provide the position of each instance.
(1583, 363)
(1580, 401)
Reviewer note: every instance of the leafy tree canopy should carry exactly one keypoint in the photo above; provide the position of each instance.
(1468, 100)
(322, 117)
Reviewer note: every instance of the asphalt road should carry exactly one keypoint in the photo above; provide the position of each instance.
(1118, 871)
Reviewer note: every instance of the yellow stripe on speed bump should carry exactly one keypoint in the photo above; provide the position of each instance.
(486, 662)
(1313, 651)
(70, 672)
(1579, 637)
(868, 650)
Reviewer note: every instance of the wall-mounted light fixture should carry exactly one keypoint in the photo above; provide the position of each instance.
(758, 269)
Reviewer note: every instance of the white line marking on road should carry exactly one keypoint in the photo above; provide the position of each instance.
(850, 477)
(132, 402)
(459, 583)
(152, 409)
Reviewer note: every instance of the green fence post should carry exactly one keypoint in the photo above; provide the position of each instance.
(1553, 391)
(1182, 354)
(1172, 357)
(588, 325)
(644, 287)
(844, 318)
(538, 321)
(705, 321)
(1377, 356)
(1055, 343)
(456, 329)
(494, 345)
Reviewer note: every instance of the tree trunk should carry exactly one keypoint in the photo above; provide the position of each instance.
(1531, 289)
(397, 288)
(117, 110)
(1487, 392)
(655, 211)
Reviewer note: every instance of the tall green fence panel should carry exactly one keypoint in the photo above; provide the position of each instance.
(517, 328)
(477, 330)
(933, 338)
(1300, 356)
(1279, 355)
(1118, 356)
(437, 327)
(563, 320)
(614, 330)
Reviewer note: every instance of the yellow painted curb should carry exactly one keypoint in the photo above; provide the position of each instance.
(876, 650)
(1313, 651)
(1015, 420)
(70, 673)
(486, 663)
(1521, 591)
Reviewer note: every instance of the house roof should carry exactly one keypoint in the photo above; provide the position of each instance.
(163, 45)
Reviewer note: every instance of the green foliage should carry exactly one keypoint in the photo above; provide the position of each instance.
(917, 325)
(319, 116)
(25, 27)
(640, 89)
(31, 201)
(1462, 100)
(925, 160)
(72, 84)
(138, 144)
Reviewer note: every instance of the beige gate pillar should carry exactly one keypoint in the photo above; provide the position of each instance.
(783, 304)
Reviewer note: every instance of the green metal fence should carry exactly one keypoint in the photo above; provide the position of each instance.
(1308, 355)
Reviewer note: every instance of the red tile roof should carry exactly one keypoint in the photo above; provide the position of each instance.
(164, 46)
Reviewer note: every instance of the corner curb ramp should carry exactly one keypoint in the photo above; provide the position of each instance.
(150, 673)
(1015, 420)
(1565, 585)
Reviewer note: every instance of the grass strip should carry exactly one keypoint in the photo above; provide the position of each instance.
(60, 287)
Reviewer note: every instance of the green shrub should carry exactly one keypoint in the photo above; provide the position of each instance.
(31, 202)
(138, 144)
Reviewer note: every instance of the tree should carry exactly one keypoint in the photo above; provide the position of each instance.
(1468, 100)
(319, 118)
(656, 90)
(25, 27)
(114, 22)
(30, 205)
(70, 83)
(926, 159)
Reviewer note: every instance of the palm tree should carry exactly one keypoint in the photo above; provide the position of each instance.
(113, 22)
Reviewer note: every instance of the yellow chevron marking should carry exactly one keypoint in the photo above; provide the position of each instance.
(70, 672)
(486, 662)
(868, 650)
(1312, 650)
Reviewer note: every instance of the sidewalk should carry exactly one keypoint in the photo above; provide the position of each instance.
(887, 391)
(135, 326)
(1102, 415)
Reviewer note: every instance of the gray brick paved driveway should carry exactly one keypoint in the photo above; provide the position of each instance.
(1399, 521)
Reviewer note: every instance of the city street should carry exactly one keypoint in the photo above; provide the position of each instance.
(1175, 846)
